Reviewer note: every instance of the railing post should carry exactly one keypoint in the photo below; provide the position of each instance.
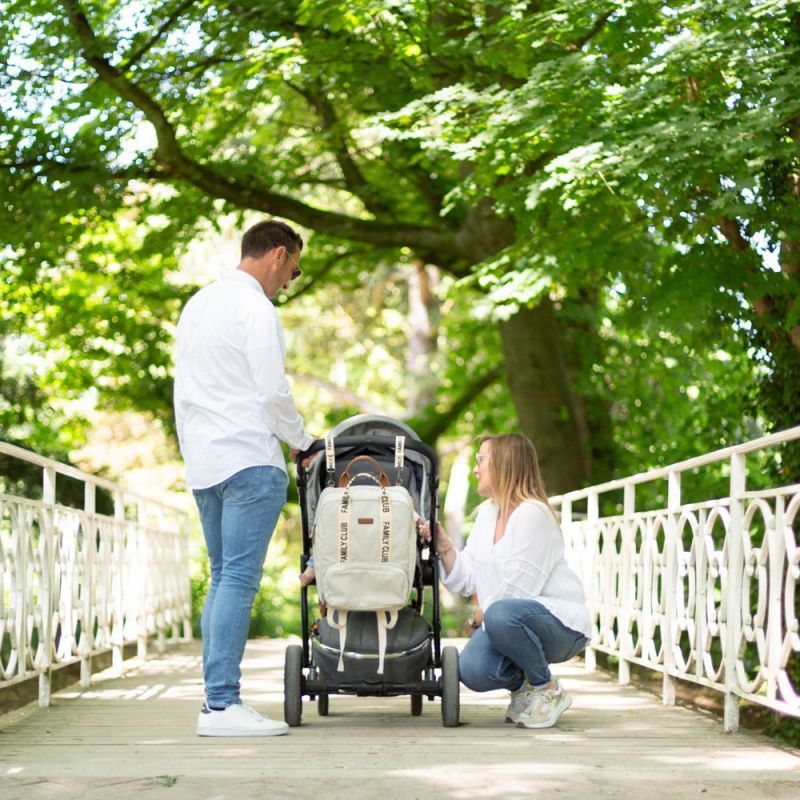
(161, 612)
(777, 555)
(21, 592)
(48, 588)
(90, 546)
(143, 569)
(625, 582)
(574, 549)
(577, 557)
(592, 555)
(732, 600)
(118, 586)
(701, 566)
(669, 577)
(187, 584)
(565, 517)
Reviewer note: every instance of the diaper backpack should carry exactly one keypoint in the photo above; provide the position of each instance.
(364, 546)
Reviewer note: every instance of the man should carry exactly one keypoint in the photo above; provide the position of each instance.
(232, 406)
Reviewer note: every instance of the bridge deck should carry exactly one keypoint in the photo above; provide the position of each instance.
(134, 737)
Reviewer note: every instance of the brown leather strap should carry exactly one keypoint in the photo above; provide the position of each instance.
(382, 479)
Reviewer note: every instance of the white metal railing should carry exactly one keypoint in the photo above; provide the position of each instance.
(699, 591)
(75, 583)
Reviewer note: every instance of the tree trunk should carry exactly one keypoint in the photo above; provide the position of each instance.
(549, 411)
(583, 346)
(421, 338)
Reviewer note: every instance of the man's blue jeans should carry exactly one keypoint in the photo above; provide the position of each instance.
(238, 518)
(519, 638)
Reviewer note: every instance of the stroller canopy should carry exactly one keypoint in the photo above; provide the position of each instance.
(373, 435)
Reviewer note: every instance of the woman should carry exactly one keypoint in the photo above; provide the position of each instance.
(532, 609)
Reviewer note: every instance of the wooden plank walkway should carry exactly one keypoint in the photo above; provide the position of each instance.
(133, 737)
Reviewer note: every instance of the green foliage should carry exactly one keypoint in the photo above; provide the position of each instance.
(644, 147)
(101, 323)
(200, 582)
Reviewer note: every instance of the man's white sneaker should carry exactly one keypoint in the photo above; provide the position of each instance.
(237, 720)
(519, 701)
(544, 707)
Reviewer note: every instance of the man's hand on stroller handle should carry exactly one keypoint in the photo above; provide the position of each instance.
(307, 576)
(293, 453)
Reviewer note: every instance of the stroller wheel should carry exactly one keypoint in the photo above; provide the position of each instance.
(450, 687)
(322, 705)
(293, 685)
(416, 705)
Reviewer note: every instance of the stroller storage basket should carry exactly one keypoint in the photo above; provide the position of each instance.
(407, 649)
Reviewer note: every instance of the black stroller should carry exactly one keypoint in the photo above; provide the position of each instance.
(414, 662)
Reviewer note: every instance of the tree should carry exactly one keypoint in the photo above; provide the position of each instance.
(519, 147)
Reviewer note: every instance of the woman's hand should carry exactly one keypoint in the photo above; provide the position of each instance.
(445, 548)
(475, 621)
(424, 532)
(444, 544)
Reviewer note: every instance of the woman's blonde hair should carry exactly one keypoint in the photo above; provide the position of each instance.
(514, 472)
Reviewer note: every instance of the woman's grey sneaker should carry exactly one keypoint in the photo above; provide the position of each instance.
(237, 720)
(519, 701)
(544, 708)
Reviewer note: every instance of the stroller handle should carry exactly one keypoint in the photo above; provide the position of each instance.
(365, 441)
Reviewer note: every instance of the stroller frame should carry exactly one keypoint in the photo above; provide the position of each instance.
(440, 677)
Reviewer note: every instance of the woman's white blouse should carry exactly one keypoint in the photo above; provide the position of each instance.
(527, 563)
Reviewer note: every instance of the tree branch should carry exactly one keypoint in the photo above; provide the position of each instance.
(532, 167)
(764, 306)
(318, 275)
(354, 179)
(416, 174)
(431, 423)
(201, 66)
(162, 29)
(580, 43)
(341, 395)
(52, 166)
(410, 171)
(176, 163)
(730, 230)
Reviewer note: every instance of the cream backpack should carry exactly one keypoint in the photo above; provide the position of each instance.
(365, 548)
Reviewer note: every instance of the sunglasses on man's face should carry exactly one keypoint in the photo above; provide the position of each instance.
(296, 271)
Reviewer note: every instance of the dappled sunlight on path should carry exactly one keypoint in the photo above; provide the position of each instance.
(134, 737)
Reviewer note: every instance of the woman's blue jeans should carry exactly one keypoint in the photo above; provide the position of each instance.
(238, 518)
(519, 639)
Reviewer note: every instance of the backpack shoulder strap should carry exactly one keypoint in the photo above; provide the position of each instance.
(386, 621)
(341, 626)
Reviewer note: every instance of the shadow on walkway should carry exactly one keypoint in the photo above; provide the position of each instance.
(133, 737)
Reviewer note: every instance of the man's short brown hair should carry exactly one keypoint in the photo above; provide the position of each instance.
(267, 235)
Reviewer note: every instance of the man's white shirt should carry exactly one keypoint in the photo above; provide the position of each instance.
(233, 403)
